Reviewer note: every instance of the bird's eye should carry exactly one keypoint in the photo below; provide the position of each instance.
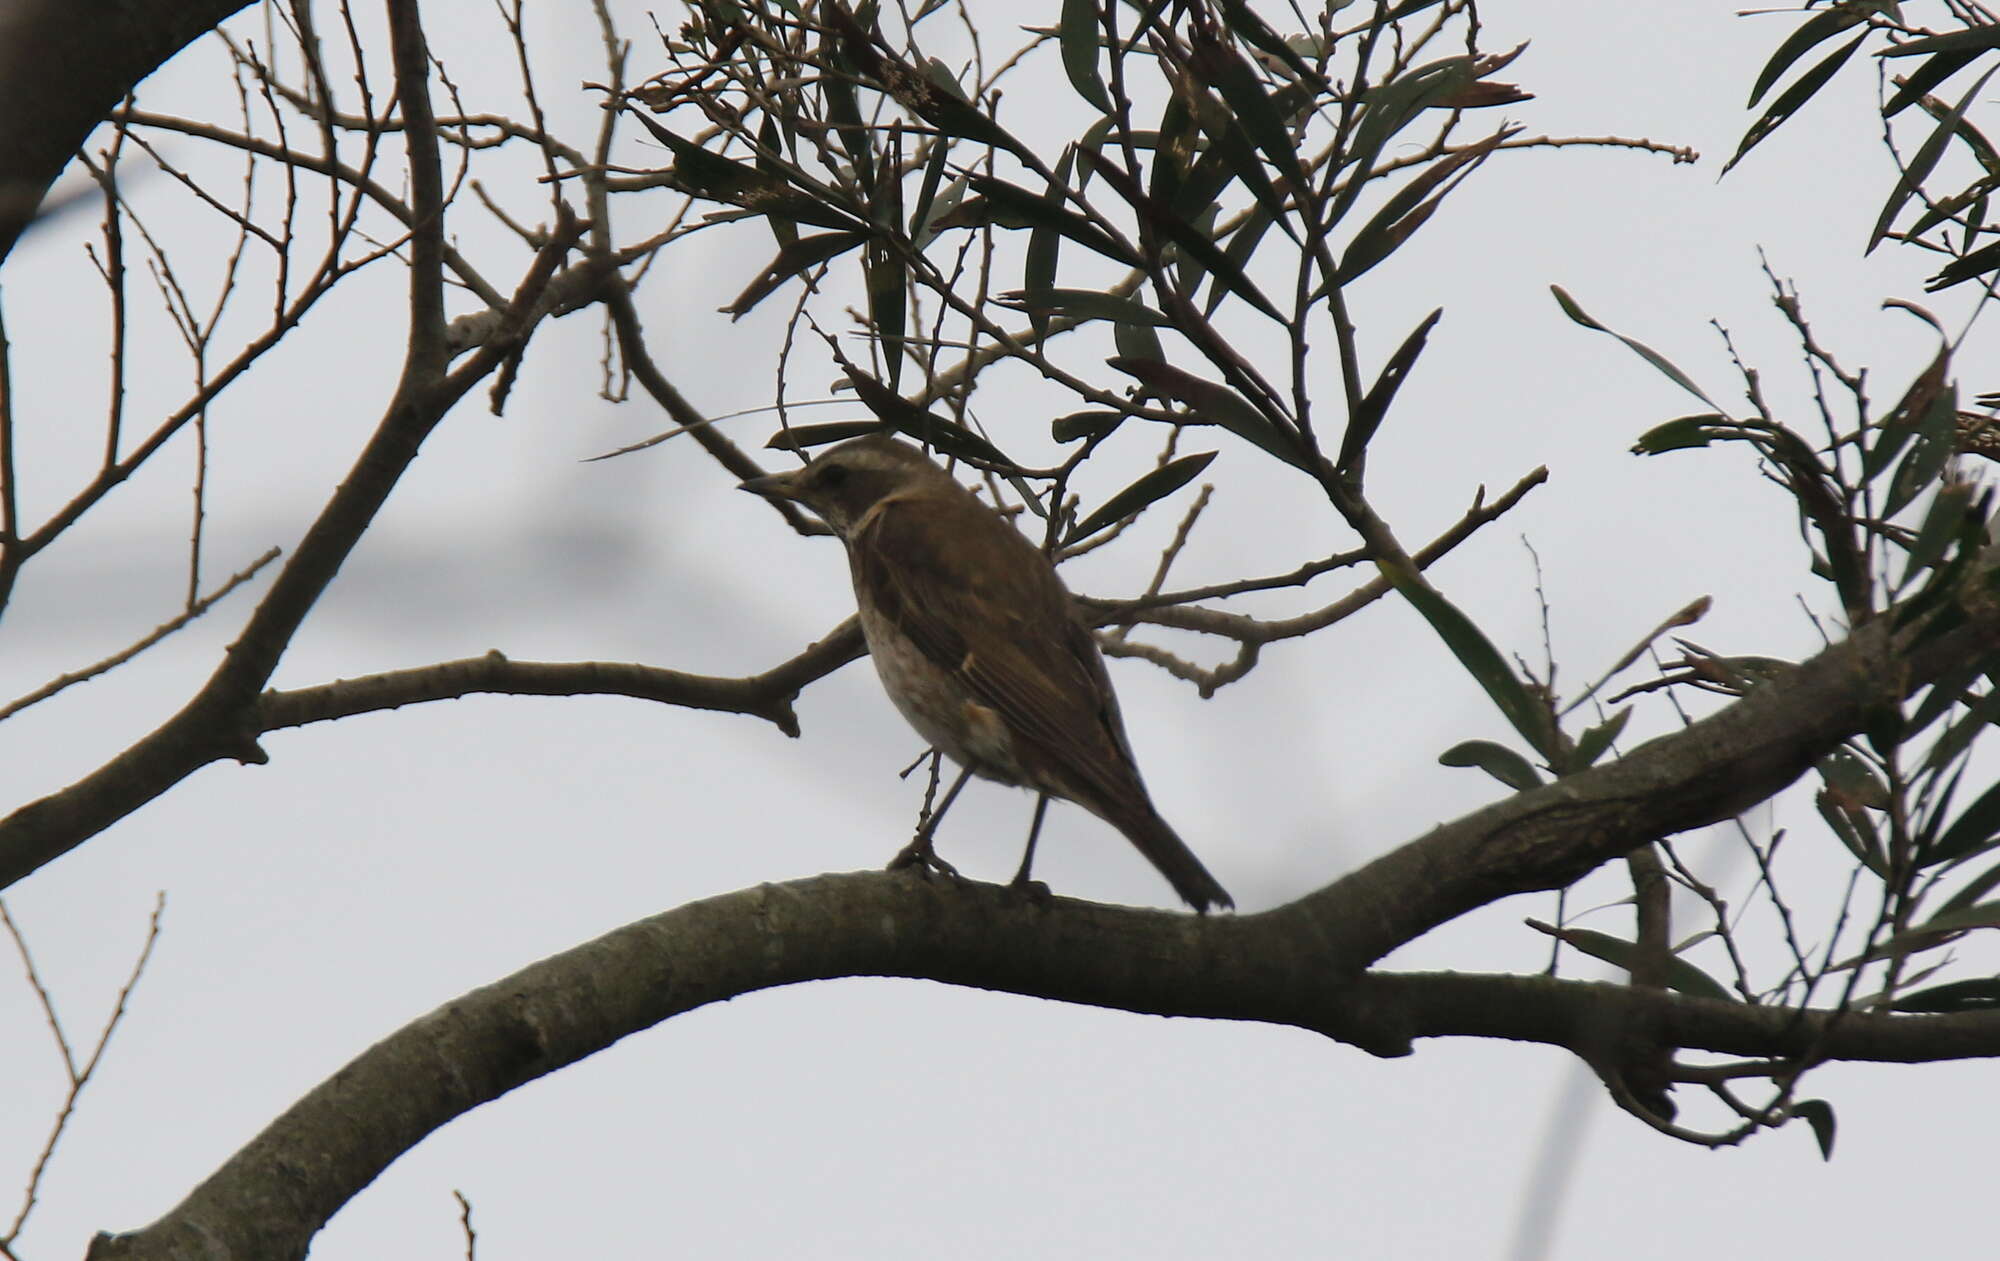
(832, 475)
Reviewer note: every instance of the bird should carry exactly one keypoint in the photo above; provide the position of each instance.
(980, 647)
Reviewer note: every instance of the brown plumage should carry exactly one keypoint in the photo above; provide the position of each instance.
(978, 643)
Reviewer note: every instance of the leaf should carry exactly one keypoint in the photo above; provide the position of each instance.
(1946, 519)
(1679, 434)
(1154, 486)
(1497, 760)
(1913, 88)
(1974, 40)
(1034, 209)
(1978, 263)
(1969, 833)
(1814, 30)
(1591, 744)
(1666, 367)
(927, 427)
(1191, 240)
(1976, 995)
(1925, 158)
(1374, 407)
(1244, 23)
(1084, 304)
(1044, 243)
(800, 255)
(1221, 66)
(1792, 98)
(1477, 654)
(1928, 455)
(1210, 403)
(1818, 1113)
(806, 437)
(700, 173)
(1078, 33)
(1137, 341)
(1976, 888)
(1387, 110)
(1957, 920)
(1680, 974)
(1406, 210)
(1847, 826)
(928, 207)
(1085, 424)
(1906, 417)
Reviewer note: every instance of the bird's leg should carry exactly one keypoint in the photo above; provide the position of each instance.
(1021, 879)
(919, 850)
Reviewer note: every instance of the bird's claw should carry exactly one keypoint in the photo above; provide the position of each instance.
(1033, 890)
(919, 854)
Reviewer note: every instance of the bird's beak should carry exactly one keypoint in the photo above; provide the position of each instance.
(773, 486)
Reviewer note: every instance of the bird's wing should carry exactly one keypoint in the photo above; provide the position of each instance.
(988, 609)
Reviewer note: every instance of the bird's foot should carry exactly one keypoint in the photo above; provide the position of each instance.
(919, 854)
(1033, 890)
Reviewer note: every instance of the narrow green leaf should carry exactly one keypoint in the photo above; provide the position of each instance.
(1220, 65)
(1154, 486)
(1250, 28)
(1591, 744)
(1925, 77)
(1982, 994)
(1497, 760)
(1078, 33)
(1970, 832)
(806, 437)
(1925, 158)
(1792, 98)
(1680, 974)
(1361, 427)
(925, 426)
(1976, 888)
(1887, 437)
(1192, 241)
(1242, 245)
(1849, 826)
(1659, 361)
(1034, 209)
(1407, 209)
(1084, 304)
(1045, 241)
(1974, 40)
(1479, 657)
(923, 216)
(1813, 31)
(1210, 403)
(800, 255)
(1958, 920)
(1944, 521)
(1387, 110)
(1818, 1113)
(1137, 341)
(1969, 267)
(700, 173)
(1679, 434)
(1085, 424)
(1928, 455)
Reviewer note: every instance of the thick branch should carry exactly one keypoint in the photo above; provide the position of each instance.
(273, 1196)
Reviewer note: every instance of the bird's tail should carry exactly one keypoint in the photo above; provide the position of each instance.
(1163, 847)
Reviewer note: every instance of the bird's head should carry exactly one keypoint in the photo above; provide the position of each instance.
(842, 483)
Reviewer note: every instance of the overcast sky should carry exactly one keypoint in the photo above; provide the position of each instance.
(380, 866)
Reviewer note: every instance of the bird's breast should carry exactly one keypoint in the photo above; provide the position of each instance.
(937, 704)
